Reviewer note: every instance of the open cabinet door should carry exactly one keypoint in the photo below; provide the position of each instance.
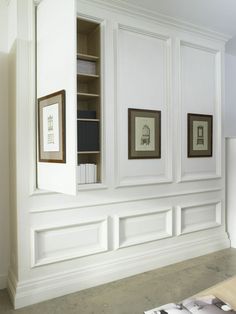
(56, 71)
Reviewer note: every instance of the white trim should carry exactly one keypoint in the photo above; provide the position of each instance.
(32, 291)
(134, 10)
(116, 202)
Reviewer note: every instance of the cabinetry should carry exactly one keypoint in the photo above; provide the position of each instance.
(88, 101)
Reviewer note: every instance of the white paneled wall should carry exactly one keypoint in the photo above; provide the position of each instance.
(148, 213)
(143, 82)
(200, 84)
(4, 154)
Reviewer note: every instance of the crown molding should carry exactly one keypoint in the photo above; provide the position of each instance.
(129, 9)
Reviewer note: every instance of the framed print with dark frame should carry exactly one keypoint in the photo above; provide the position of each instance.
(144, 139)
(51, 128)
(200, 127)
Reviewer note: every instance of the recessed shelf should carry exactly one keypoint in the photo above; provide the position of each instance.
(84, 119)
(86, 57)
(89, 99)
(89, 152)
(86, 96)
(87, 77)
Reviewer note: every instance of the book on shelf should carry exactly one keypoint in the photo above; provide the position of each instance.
(87, 173)
(88, 136)
(86, 67)
(86, 114)
(196, 305)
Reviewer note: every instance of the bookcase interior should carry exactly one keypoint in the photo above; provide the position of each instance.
(88, 99)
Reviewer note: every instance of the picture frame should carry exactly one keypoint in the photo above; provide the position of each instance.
(52, 127)
(200, 135)
(144, 134)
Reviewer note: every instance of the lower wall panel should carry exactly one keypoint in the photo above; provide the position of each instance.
(60, 243)
(141, 227)
(199, 217)
(68, 281)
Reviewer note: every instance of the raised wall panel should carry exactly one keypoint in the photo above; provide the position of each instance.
(198, 217)
(61, 243)
(141, 227)
(143, 82)
(200, 92)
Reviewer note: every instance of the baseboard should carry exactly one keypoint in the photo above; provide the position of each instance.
(3, 281)
(33, 291)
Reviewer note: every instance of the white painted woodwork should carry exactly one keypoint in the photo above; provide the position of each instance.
(70, 241)
(143, 73)
(230, 96)
(56, 70)
(139, 199)
(198, 217)
(141, 227)
(4, 151)
(200, 93)
(231, 186)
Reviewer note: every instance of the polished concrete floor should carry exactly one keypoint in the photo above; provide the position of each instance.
(142, 292)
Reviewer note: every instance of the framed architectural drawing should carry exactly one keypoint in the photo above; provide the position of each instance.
(52, 131)
(200, 128)
(144, 138)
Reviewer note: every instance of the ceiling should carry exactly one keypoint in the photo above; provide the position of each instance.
(216, 15)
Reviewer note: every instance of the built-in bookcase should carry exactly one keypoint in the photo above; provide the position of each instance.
(88, 101)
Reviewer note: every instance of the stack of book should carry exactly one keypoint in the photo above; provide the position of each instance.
(87, 173)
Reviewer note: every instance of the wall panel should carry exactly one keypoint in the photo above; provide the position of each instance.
(143, 82)
(198, 217)
(200, 93)
(60, 243)
(139, 228)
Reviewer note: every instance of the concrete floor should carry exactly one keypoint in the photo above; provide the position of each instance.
(142, 292)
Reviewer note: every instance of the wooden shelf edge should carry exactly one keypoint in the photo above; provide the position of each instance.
(84, 119)
(89, 152)
(84, 75)
(86, 57)
(86, 95)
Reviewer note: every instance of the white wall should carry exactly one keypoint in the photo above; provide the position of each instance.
(230, 133)
(4, 166)
(230, 91)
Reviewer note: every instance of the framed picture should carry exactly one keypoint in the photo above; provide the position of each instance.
(52, 131)
(144, 139)
(200, 128)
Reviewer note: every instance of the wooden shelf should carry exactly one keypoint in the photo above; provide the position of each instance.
(86, 57)
(85, 119)
(89, 152)
(86, 96)
(87, 77)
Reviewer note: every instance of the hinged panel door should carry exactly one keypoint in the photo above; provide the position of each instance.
(56, 71)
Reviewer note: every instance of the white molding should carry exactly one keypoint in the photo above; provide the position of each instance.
(32, 291)
(101, 246)
(3, 281)
(125, 201)
(12, 286)
(167, 177)
(200, 226)
(143, 238)
(199, 176)
(161, 19)
(217, 129)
